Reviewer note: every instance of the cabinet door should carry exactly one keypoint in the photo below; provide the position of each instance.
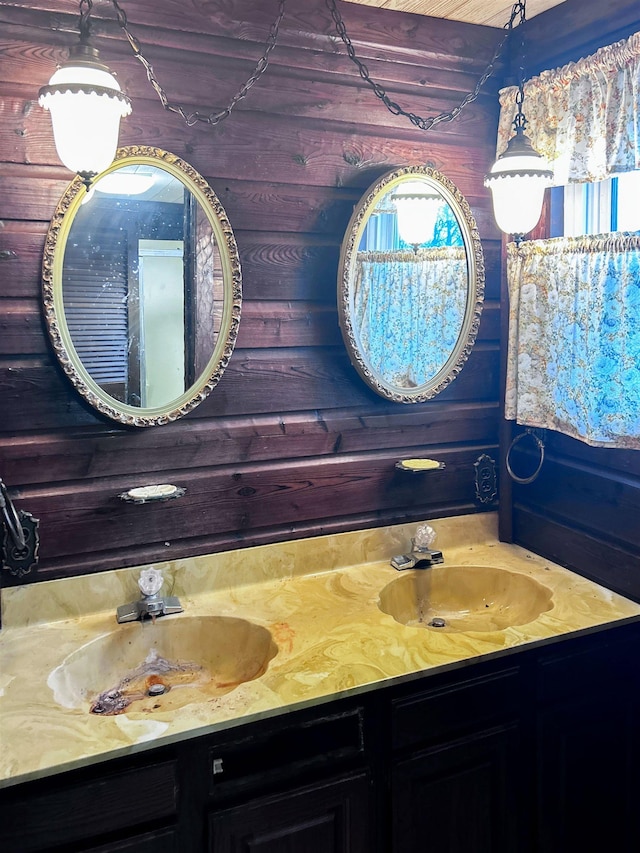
(461, 797)
(588, 776)
(329, 817)
(159, 841)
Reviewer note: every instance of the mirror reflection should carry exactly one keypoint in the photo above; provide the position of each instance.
(143, 288)
(410, 284)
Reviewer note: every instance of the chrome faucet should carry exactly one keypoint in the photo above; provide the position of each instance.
(151, 605)
(422, 555)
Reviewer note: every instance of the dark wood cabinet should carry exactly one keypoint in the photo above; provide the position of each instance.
(111, 799)
(460, 797)
(157, 841)
(536, 752)
(332, 816)
(458, 766)
(588, 737)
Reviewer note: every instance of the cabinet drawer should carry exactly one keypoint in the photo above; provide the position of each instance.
(445, 711)
(40, 818)
(286, 751)
(597, 663)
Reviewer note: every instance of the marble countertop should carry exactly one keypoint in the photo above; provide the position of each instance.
(318, 598)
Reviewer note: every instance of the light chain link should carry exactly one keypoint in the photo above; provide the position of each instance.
(517, 10)
(192, 118)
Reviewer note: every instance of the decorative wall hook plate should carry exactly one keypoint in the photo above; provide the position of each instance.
(486, 480)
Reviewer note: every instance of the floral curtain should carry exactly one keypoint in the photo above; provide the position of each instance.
(584, 117)
(574, 337)
(408, 310)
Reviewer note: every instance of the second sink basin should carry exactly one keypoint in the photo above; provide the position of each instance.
(465, 598)
(158, 667)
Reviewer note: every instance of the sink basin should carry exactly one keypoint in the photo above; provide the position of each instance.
(465, 598)
(157, 667)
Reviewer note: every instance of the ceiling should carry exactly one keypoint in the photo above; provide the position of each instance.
(493, 13)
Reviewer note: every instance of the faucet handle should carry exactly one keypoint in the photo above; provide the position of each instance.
(425, 537)
(150, 581)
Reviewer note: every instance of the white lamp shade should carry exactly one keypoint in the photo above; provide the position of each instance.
(517, 182)
(86, 106)
(417, 211)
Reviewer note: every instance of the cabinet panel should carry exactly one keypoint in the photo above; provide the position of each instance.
(330, 817)
(454, 707)
(459, 798)
(283, 751)
(41, 816)
(588, 777)
(160, 841)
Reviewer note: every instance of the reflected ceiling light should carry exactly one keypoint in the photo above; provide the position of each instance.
(417, 210)
(123, 182)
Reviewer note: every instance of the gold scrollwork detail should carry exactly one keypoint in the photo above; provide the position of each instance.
(53, 302)
(473, 294)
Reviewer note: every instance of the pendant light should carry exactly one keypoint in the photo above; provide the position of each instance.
(86, 102)
(520, 175)
(86, 105)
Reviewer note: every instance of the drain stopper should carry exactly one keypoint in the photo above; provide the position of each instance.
(437, 622)
(156, 690)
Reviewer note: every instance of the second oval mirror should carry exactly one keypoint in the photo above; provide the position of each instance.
(410, 284)
(142, 287)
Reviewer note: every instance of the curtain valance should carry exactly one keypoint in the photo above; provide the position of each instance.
(584, 118)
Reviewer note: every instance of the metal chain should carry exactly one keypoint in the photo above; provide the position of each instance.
(191, 118)
(518, 10)
(84, 24)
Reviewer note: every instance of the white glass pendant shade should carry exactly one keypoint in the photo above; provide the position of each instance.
(417, 210)
(86, 106)
(517, 181)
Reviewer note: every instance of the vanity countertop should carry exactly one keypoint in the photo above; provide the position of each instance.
(319, 599)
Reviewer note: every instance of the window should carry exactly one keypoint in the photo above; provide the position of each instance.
(598, 208)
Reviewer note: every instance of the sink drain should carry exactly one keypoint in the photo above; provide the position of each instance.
(156, 690)
(437, 622)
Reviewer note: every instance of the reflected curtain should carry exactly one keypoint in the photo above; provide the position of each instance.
(408, 310)
(574, 337)
(583, 118)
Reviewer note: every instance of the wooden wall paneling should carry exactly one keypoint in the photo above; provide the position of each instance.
(603, 560)
(240, 500)
(577, 28)
(69, 455)
(255, 382)
(604, 502)
(291, 442)
(242, 24)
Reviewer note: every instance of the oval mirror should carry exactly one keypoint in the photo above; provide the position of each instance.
(410, 284)
(142, 287)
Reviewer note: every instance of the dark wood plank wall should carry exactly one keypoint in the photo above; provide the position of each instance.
(584, 509)
(291, 443)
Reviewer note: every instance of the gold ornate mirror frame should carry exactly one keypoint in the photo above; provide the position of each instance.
(474, 285)
(54, 310)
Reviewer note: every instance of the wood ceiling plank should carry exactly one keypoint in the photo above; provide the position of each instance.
(492, 13)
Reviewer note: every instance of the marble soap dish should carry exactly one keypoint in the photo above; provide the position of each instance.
(146, 494)
(419, 466)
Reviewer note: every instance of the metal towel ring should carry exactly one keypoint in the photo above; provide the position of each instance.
(539, 442)
(11, 518)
